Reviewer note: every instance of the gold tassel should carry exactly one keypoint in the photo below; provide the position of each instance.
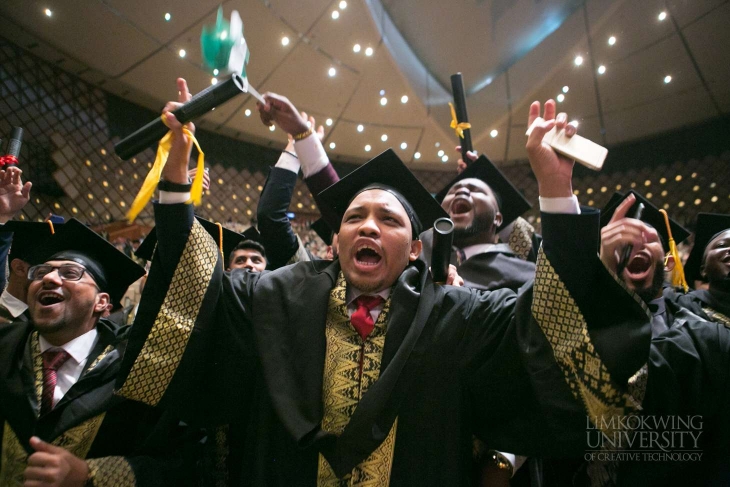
(50, 224)
(220, 237)
(678, 278)
(153, 178)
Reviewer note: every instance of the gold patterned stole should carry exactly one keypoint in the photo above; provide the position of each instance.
(716, 316)
(77, 440)
(351, 367)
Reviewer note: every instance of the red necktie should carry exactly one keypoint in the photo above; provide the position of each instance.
(361, 319)
(52, 361)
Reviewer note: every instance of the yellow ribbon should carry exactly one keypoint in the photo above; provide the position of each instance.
(153, 178)
(678, 278)
(458, 127)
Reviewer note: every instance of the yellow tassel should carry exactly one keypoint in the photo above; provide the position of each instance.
(153, 178)
(50, 224)
(678, 278)
(220, 237)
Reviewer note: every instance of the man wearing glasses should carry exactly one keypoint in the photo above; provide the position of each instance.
(61, 423)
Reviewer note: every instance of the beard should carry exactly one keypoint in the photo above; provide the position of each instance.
(651, 292)
(480, 224)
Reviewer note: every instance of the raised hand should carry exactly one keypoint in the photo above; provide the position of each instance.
(278, 109)
(460, 164)
(13, 193)
(622, 231)
(52, 466)
(554, 172)
(176, 169)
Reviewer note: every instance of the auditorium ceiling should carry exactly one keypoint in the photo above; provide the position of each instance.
(378, 71)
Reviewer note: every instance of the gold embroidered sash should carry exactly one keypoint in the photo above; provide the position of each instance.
(351, 367)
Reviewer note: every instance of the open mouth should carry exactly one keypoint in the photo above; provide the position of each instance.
(460, 206)
(367, 256)
(639, 267)
(49, 298)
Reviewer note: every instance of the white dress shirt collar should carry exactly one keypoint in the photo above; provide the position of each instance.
(79, 348)
(15, 306)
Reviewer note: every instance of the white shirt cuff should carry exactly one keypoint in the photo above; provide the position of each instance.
(288, 162)
(567, 205)
(516, 461)
(173, 198)
(311, 155)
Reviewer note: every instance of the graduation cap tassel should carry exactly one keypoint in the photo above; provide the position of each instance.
(678, 270)
(50, 224)
(153, 177)
(220, 236)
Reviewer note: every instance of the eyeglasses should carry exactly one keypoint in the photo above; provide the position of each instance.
(67, 272)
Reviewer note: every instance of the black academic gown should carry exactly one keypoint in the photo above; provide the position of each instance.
(130, 437)
(706, 305)
(277, 235)
(497, 268)
(252, 346)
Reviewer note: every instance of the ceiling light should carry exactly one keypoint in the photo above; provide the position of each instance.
(611, 40)
(403, 145)
(168, 16)
(662, 16)
(285, 41)
(438, 144)
(565, 89)
(214, 81)
(601, 69)
(49, 13)
(343, 5)
(247, 112)
(332, 72)
(445, 158)
(578, 60)
(335, 14)
(561, 98)
(494, 133)
(328, 122)
(181, 53)
(667, 79)
(356, 48)
(404, 99)
(360, 128)
(384, 101)
(574, 123)
(417, 155)
(384, 137)
(215, 72)
(441, 153)
(382, 92)
(369, 51)
(332, 145)
(272, 128)
(367, 148)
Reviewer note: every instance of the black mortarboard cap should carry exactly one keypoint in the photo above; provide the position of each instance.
(388, 172)
(111, 269)
(27, 236)
(709, 225)
(323, 230)
(230, 239)
(650, 215)
(512, 203)
(251, 233)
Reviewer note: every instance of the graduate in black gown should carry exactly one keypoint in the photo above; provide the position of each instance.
(61, 422)
(386, 389)
(709, 262)
(481, 202)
